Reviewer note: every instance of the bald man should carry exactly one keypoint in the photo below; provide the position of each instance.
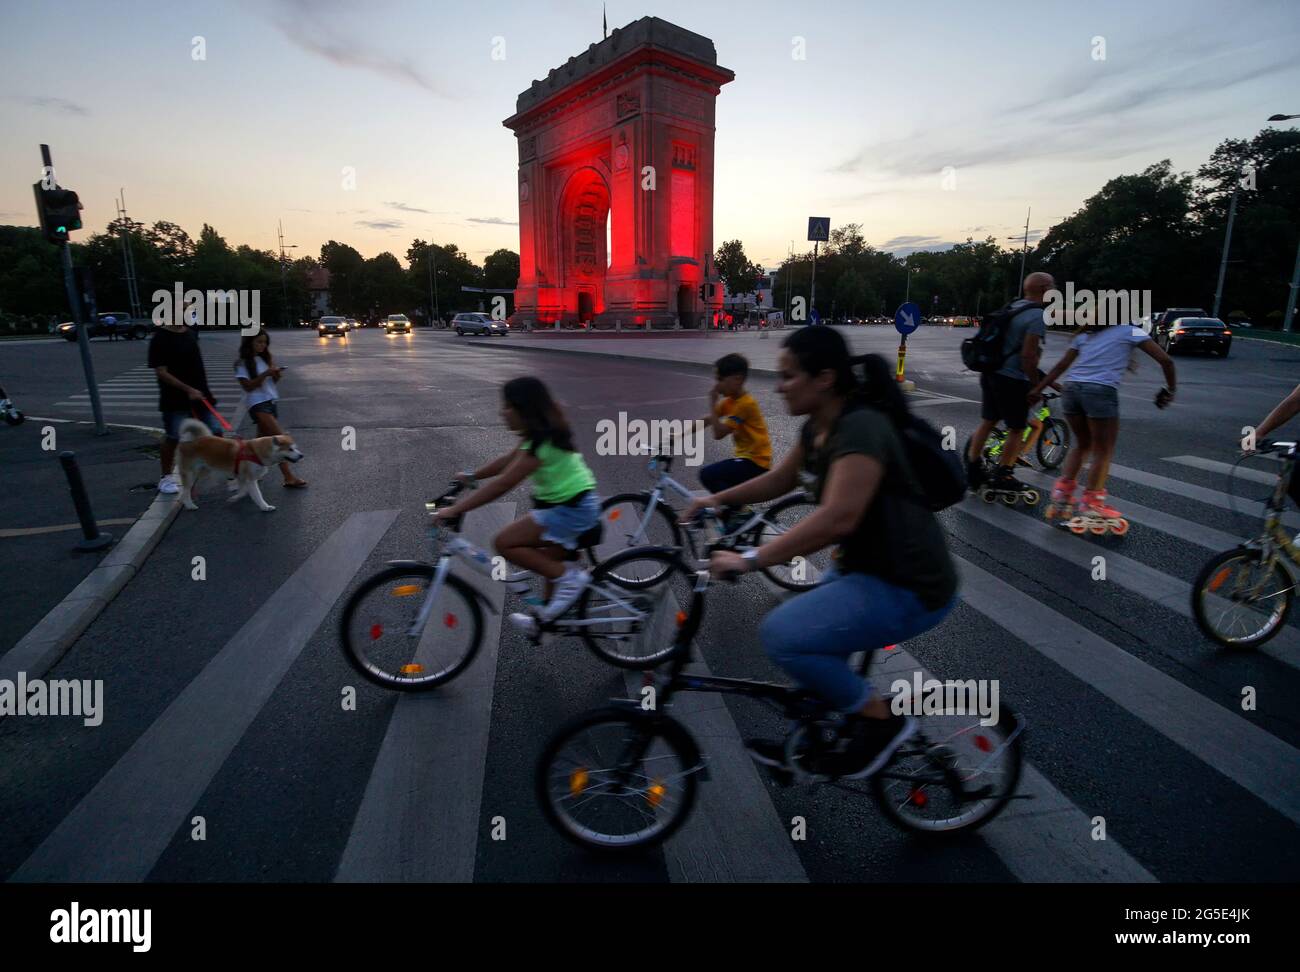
(1005, 393)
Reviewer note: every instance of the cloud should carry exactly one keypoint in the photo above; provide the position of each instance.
(405, 208)
(492, 220)
(381, 224)
(908, 241)
(316, 29)
(53, 104)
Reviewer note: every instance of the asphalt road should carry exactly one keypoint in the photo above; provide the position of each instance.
(223, 695)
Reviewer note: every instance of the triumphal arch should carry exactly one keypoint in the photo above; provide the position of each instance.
(616, 184)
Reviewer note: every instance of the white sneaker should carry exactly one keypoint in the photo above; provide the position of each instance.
(525, 624)
(571, 584)
(169, 484)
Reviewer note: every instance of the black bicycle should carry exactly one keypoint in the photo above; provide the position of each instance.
(623, 777)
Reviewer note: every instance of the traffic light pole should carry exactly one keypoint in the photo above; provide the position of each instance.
(812, 295)
(74, 300)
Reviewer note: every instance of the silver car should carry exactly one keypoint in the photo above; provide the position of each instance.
(478, 324)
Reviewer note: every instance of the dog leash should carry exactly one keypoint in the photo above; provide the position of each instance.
(224, 424)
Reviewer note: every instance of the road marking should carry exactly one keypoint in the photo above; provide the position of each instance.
(1194, 533)
(419, 818)
(734, 833)
(1169, 592)
(1239, 472)
(36, 531)
(1258, 762)
(1046, 839)
(122, 826)
(1212, 497)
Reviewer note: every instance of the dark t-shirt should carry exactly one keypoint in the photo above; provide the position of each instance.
(898, 539)
(179, 354)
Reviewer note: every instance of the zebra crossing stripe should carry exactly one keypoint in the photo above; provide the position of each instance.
(1132, 575)
(1237, 472)
(1199, 493)
(1257, 761)
(419, 817)
(1046, 839)
(122, 826)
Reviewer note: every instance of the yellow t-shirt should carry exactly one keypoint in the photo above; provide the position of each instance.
(750, 431)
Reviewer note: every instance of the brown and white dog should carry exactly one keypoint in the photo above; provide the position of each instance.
(244, 459)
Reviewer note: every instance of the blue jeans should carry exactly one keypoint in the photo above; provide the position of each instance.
(812, 636)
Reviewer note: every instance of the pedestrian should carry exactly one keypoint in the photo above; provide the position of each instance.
(1096, 362)
(175, 357)
(258, 373)
(1004, 393)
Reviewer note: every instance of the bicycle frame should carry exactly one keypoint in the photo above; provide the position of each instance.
(1274, 538)
(999, 434)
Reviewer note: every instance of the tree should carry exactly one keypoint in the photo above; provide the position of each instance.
(344, 265)
(501, 270)
(735, 269)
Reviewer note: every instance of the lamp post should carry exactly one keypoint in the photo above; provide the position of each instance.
(1294, 290)
(284, 286)
(907, 294)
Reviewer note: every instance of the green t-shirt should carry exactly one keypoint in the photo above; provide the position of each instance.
(561, 476)
(898, 540)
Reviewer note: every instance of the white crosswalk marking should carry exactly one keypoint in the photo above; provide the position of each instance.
(1257, 761)
(419, 819)
(1213, 497)
(123, 825)
(1237, 472)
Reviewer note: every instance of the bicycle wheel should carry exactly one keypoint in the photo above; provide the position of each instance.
(627, 522)
(1053, 444)
(378, 615)
(802, 573)
(1240, 600)
(633, 625)
(954, 774)
(615, 779)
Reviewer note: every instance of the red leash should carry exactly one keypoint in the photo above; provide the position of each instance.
(224, 424)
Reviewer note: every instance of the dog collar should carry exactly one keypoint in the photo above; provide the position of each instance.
(245, 453)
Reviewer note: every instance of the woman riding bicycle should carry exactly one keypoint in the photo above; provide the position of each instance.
(893, 576)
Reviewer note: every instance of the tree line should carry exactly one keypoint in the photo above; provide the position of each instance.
(32, 293)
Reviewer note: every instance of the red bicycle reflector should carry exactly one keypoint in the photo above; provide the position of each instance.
(614, 515)
(681, 618)
(1219, 578)
(890, 647)
(450, 620)
(376, 632)
(982, 744)
(918, 798)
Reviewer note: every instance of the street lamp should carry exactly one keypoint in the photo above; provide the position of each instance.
(908, 292)
(1294, 291)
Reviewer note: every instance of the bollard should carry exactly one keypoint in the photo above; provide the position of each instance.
(91, 539)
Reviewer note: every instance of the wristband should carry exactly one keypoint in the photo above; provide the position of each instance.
(751, 558)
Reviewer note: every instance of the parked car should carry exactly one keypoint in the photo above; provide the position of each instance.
(332, 326)
(1197, 334)
(963, 322)
(466, 323)
(109, 324)
(397, 323)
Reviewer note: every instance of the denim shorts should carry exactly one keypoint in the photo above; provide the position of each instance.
(564, 524)
(1090, 399)
(172, 423)
(267, 407)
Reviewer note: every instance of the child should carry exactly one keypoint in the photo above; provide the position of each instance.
(257, 374)
(733, 412)
(564, 494)
(1096, 360)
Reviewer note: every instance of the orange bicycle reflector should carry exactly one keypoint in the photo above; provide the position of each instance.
(414, 668)
(578, 780)
(1219, 578)
(655, 795)
(406, 590)
(615, 514)
(681, 618)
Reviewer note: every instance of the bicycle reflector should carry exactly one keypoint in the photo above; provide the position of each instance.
(655, 795)
(406, 590)
(578, 782)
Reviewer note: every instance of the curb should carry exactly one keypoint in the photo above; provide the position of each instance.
(42, 647)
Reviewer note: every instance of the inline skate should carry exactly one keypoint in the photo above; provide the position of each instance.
(1062, 508)
(1002, 485)
(1094, 516)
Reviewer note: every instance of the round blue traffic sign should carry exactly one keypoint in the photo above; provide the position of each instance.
(907, 318)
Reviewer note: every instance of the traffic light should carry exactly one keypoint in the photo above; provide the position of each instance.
(703, 298)
(758, 297)
(59, 211)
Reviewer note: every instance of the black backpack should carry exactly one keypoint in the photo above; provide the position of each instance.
(985, 351)
(938, 472)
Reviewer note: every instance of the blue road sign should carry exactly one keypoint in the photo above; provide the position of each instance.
(907, 318)
(819, 228)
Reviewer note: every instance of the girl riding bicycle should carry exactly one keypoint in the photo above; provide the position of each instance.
(564, 494)
(893, 576)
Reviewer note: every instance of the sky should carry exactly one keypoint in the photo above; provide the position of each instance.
(927, 122)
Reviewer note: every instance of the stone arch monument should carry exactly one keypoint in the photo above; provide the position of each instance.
(620, 135)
